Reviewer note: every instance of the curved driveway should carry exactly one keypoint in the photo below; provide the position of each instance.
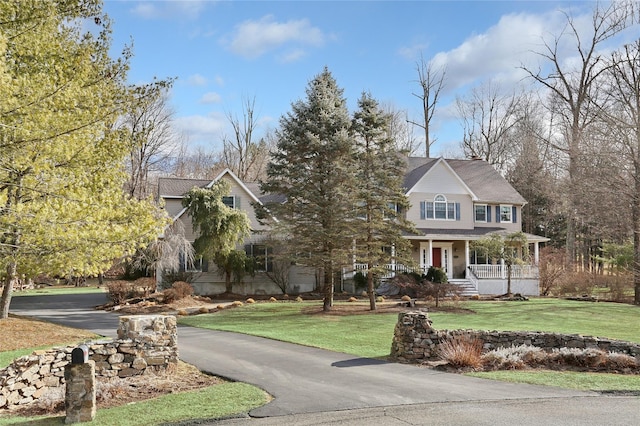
(306, 380)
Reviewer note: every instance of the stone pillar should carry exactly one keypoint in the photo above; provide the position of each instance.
(80, 395)
(156, 343)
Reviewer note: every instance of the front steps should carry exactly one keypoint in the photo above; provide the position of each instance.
(467, 289)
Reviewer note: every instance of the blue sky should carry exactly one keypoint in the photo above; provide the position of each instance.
(224, 52)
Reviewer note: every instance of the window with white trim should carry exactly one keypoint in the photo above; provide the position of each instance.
(439, 209)
(261, 255)
(505, 213)
(481, 213)
(229, 201)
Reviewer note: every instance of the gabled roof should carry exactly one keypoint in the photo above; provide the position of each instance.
(177, 187)
(484, 182)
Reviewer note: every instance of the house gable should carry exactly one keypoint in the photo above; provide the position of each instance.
(440, 178)
(172, 191)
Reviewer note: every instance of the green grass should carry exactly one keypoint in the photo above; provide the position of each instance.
(611, 320)
(8, 357)
(209, 403)
(363, 335)
(59, 289)
(371, 335)
(568, 379)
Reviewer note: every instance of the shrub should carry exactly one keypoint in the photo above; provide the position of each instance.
(203, 310)
(462, 351)
(179, 290)
(360, 280)
(221, 307)
(237, 303)
(618, 361)
(146, 285)
(298, 299)
(273, 299)
(577, 284)
(620, 287)
(551, 269)
(120, 291)
(352, 299)
(250, 301)
(576, 357)
(514, 358)
(170, 277)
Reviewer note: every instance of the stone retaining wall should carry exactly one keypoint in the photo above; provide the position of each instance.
(414, 340)
(146, 344)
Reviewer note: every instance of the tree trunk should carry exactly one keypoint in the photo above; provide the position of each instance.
(228, 286)
(327, 302)
(8, 290)
(635, 211)
(370, 290)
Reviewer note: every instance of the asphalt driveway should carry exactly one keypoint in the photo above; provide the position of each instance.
(312, 382)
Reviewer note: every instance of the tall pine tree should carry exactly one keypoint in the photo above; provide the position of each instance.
(381, 198)
(313, 168)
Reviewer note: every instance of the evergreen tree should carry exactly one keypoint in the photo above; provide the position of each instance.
(381, 198)
(313, 168)
(219, 228)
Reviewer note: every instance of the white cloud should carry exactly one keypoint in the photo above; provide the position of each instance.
(196, 80)
(218, 80)
(500, 51)
(211, 98)
(252, 39)
(203, 130)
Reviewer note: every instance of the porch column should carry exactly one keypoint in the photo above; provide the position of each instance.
(430, 257)
(503, 275)
(536, 253)
(466, 257)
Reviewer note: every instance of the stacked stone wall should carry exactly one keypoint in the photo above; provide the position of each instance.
(146, 344)
(415, 340)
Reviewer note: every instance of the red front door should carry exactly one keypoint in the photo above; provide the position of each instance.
(437, 257)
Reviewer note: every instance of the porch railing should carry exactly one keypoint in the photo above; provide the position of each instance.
(480, 271)
(500, 271)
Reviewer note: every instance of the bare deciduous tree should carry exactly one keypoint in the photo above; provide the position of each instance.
(431, 81)
(153, 139)
(196, 164)
(241, 154)
(401, 132)
(487, 117)
(574, 90)
(624, 119)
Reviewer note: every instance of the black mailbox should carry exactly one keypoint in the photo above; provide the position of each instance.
(80, 355)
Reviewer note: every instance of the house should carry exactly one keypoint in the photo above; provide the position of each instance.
(453, 203)
(205, 277)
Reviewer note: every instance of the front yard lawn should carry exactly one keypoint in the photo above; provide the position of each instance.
(370, 335)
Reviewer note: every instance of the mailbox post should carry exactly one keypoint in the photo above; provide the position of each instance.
(80, 393)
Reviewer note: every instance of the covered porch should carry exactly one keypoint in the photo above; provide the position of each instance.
(452, 251)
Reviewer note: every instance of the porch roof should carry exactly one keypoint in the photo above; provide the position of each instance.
(466, 234)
